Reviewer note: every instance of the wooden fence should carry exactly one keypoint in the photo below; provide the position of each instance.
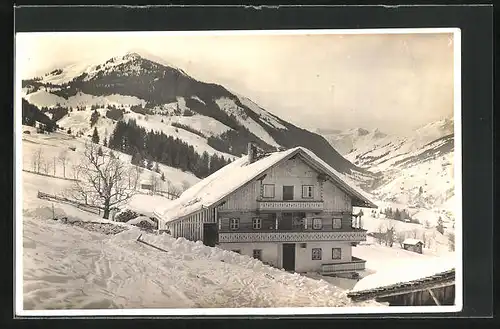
(80, 205)
(51, 176)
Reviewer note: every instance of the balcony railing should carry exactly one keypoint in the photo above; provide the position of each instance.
(289, 236)
(356, 264)
(290, 205)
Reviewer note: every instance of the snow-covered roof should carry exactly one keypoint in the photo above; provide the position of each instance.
(238, 173)
(404, 272)
(412, 241)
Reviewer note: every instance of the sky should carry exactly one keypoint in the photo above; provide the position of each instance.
(393, 82)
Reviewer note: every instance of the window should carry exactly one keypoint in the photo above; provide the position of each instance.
(317, 223)
(307, 191)
(336, 253)
(257, 254)
(234, 223)
(268, 191)
(287, 193)
(257, 223)
(337, 222)
(316, 253)
(238, 251)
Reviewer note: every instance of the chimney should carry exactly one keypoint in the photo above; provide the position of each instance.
(252, 152)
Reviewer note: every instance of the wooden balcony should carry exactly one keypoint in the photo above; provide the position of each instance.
(292, 236)
(290, 205)
(356, 264)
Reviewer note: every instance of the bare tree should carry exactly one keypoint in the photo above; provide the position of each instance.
(46, 166)
(75, 170)
(173, 190)
(400, 238)
(425, 240)
(54, 165)
(133, 177)
(414, 233)
(389, 237)
(63, 159)
(379, 235)
(155, 183)
(36, 160)
(104, 179)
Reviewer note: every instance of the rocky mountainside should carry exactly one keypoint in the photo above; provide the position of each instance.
(415, 170)
(164, 98)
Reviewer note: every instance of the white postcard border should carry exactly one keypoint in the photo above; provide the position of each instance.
(19, 311)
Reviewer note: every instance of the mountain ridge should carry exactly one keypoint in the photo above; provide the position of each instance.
(166, 92)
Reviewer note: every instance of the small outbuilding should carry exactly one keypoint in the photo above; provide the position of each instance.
(414, 245)
(146, 184)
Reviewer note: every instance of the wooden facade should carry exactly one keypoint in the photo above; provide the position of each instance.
(438, 289)
(285, 213)
(415, 247)
(428, 297)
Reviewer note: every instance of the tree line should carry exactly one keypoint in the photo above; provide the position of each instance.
(147, 147)
(401, 215)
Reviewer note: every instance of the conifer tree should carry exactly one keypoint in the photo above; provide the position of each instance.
(440, 226)
(95, 136)
(93, 118)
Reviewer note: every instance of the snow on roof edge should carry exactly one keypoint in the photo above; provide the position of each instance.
(190, 201)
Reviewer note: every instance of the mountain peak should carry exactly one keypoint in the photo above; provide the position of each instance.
(132, 55)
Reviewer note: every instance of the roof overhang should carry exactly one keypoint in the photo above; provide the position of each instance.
(440, 280)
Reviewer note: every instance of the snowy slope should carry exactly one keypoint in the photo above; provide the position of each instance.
(46, 99)
(407, 268)
(224, 120)
(230, 107)
(53, 145)
(422, 160)
(79, 121)
(68, 267)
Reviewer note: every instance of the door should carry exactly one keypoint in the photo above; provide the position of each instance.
(287, 193)
(286, 222)
(289, 256)
(210, 234)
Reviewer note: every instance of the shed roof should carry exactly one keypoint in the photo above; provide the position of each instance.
(442, 279)
(412, 241)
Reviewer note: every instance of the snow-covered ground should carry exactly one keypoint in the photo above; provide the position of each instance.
(406, 269)
(154, 122)
(55, 145)
(68, 267)
(229, 106)
(79, 121)
(435, 242)
(44, 98)
(423, 158)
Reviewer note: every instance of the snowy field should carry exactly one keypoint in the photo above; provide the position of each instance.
(68, 267)
(55, 145)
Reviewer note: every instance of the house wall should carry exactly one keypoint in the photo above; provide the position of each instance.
(272, 253)
(335, 199)
(294, 172)
(268, 223)
(303, 256)
(191, 227)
